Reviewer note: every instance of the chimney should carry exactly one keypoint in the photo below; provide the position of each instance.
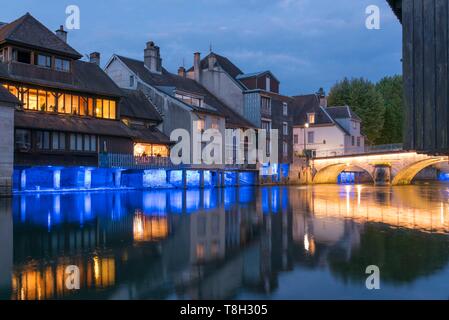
(321, 94)
(61, 33)
(196, 66)
(182, 72)
(152, 58)
(94, 57)
(211, 61)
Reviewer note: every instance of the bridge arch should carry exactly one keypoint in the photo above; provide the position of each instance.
(329, 174)
(406, 175)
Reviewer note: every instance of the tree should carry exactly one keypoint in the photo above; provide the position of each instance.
(361, 95)
(391, 89)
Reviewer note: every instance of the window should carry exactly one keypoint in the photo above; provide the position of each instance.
(62, 64)
(22, 56)
(285, 109)
(285, 128)
(200, 125)
(23, 139)
(266, 125)
(267, 84)
(43, 60)
(85, 143)
(310, 137)
(265, 105)
(353, 140)
(1, 56)
(43, 140)
(295, 139)
(285, 148)
(131, 81)
(311, 118)
(214, 124)
(354, 125)
(196, 102)
(58, 141)
(358, 141)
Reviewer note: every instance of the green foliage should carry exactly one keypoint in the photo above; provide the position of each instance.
(391, 89)
(380, 106)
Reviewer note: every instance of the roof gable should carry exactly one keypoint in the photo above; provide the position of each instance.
(29, 32)
(223, 62)
(135, 104)
(168, 81)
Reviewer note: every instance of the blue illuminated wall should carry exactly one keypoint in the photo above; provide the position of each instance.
(346, 178)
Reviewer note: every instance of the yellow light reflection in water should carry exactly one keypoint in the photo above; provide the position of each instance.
(39, 281)
(149, 228)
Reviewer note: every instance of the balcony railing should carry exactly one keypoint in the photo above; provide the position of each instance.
(129, 161)
(352, 151)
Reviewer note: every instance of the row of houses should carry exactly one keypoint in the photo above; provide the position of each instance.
(63, 111)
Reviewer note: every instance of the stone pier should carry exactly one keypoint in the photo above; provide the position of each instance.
(7, 106)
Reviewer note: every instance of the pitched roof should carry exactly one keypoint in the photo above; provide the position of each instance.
(7, 97)
(223, 62)
(84, 77)
(135, 104)
(342, 112)
(255, 74)
(167, 80)
(30, 32)
(149, 135)
(45, 121)
(303, 105)
(396, 5)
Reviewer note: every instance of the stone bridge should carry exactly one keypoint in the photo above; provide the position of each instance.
(396, 168)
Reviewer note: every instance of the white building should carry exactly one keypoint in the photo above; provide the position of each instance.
(325, 131)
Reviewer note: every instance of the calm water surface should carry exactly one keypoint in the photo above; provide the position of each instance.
(247, 243)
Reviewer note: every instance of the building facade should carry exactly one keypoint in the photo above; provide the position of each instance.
(181, 102)
(255, 96)
(69, 111)
(321, 131)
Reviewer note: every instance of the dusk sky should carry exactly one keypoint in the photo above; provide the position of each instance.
(307, 44)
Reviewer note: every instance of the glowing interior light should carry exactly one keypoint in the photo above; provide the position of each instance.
(306, 242)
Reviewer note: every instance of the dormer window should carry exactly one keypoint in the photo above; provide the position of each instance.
(311, 118)
(193, 101)
(22, 56)
(62, 64)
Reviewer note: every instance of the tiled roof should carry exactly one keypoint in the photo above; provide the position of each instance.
(84, 77)
(342, 112)
(169, 80)
(7, 97)
(149, 135)
(135, 104)
(30, 32)
(45, 121)
(224, 63)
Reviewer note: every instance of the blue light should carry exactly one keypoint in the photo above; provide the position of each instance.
(443, 176)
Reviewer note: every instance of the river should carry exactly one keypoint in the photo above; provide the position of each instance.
(236, 243)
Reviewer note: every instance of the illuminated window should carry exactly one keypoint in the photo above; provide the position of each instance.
(311, 118)
(32, 99)
(99, 108)
(150, 150)
(200, 125)
(67, 103)
(196, 102)
(214, 124)
(200, 251)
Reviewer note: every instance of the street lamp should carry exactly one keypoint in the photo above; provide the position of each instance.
(306, 126)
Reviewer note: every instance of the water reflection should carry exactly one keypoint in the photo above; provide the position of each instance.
(270, 242)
